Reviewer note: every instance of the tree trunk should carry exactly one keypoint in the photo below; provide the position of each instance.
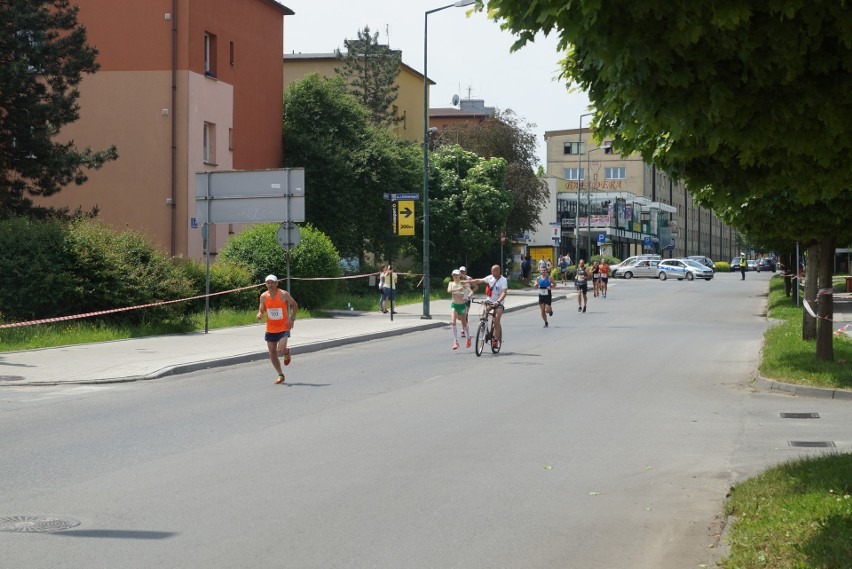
(809, 324)
(825, 328)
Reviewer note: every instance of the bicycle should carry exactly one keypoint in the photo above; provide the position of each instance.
(485, 333)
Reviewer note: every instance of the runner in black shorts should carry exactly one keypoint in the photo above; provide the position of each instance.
(581, 283)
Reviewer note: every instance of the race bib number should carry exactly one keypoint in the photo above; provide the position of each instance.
(275, 313)
(542, 292)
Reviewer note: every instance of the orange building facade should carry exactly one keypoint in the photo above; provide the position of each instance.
(185, 86)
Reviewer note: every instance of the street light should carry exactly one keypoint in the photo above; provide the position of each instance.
(589, 198)
(458, 4)
(579, 169)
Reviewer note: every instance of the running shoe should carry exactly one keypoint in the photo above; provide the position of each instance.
(455, 345)
(280, 379)
(551, 312)
(584, 309)
(545, 324)
(579, 309)
(287, 358)
(467, 345)
(462, 334)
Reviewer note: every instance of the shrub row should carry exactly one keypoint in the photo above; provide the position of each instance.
(58, 268)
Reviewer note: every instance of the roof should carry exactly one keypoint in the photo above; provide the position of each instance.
(284, 9)
(327, 56)
(452, 112)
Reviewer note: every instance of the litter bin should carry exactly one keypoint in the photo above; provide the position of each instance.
(848, 284)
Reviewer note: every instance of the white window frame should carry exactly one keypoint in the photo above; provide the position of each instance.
(579, 146)
(571, 173)
(209, 143)
(615, 173)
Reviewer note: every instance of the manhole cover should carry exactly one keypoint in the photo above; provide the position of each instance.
(35, 523)
(800, 415)
(11, 377)
(815, 444)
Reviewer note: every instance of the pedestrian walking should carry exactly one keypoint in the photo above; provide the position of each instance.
(563, 269)
(545, 296)
(581, 283)
(382, 296)
(280, 309)
(390, 287)
(526, 269)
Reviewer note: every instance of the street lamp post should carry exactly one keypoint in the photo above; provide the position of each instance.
(589, 200)
(579, 169)
(426, 275)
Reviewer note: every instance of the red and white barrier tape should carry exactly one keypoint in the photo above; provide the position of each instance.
(163, 303)
(840, 331)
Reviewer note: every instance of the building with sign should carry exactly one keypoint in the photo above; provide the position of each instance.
(637, 208)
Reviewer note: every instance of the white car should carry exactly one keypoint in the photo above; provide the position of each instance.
(618, 270)
(683, 269)
(641, 268)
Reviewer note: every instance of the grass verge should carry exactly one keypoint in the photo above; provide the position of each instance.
(88, 331)
(795, 515)
(789, 358)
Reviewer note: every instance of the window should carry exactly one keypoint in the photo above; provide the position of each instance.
(571, 173)
(573, 148)
(209, 151)
(209, 55)
(615, 173)
(231, 52)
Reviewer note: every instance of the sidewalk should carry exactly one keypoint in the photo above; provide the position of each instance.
(159, 356)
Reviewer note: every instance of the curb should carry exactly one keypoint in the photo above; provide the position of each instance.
(774, 386)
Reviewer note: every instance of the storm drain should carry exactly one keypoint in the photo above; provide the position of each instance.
(812, 444)
(35, 524)
(11, 377)
(800, 415)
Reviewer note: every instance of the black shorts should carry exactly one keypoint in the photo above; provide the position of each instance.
(545, 298)
(582, 286)
(604, 280)
(276, 336)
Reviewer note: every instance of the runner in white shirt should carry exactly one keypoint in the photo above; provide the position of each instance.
(498, 287)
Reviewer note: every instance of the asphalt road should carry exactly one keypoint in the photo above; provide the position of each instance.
(607, 440)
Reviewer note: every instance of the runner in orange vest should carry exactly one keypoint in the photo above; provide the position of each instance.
(280, 310)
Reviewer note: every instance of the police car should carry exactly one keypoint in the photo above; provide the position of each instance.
(683, 269)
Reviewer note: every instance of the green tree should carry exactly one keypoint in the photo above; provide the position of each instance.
(370, 69)
(349, 164)
(506, 136)
(469, 206)
(43, 56)
(755, 93)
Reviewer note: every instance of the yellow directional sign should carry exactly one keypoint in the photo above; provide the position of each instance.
(404, 217)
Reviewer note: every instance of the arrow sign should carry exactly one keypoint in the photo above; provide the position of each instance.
(405, 221)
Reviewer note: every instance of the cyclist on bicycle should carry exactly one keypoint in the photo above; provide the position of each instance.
(496, 290)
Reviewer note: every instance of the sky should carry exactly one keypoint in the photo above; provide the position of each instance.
(469, 55)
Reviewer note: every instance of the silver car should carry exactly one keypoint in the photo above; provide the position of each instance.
(683, 269)
(641, 268)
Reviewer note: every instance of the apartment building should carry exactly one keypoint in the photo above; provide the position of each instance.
(185, 86)
(607, 203)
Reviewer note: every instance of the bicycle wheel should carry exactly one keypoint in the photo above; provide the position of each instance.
(480, 338)
(495, 344)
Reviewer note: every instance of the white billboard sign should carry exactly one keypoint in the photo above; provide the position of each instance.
(250, 196)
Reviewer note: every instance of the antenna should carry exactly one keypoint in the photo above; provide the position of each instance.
(455, 100)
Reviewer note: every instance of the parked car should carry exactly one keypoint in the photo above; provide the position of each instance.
(766, 264)
(641, 268)
(735, 264)
(615, 269)
(751, 264)
(706, 261)
(683, 269)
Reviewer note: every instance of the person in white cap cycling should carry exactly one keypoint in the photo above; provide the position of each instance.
(280, 309)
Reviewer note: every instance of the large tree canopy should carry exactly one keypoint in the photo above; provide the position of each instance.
(43, 56)
(743, 95)
(469, 205)
(506, 136)
(349, 163)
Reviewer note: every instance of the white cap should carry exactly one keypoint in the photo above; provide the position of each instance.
(272, 278)
(456, 272)
(463, 269)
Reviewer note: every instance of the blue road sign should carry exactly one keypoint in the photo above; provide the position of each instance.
(601, 238)
(405, 197)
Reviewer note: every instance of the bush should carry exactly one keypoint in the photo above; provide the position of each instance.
(256, 249)
(224, 275)
(722, 267)
(87, 267)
